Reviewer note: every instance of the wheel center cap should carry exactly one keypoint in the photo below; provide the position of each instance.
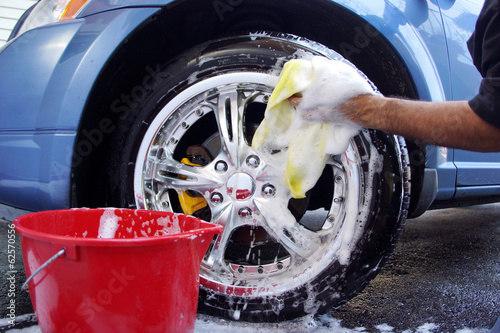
(240, 186)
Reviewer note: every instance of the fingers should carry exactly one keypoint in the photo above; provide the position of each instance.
(294, 100)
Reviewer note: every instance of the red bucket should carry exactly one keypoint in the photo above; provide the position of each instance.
(144, 279)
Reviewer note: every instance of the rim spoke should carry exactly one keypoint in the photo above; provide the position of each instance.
(228, 121)
(215, 259)
(300, 242)
(184, 177)
(229, 115)
(281, 224)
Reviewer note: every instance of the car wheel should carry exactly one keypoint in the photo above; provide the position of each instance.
(185, 147)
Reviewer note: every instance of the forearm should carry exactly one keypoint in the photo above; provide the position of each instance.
(450, 124)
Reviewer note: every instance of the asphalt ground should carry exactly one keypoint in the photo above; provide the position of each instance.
(444, 273)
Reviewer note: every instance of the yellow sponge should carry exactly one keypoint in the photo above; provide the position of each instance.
(299, 149)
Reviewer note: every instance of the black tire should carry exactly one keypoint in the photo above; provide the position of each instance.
(353, 215)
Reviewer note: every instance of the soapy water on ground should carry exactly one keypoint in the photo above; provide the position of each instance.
(320, 324)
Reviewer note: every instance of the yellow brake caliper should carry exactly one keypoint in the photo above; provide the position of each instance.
(191, 201)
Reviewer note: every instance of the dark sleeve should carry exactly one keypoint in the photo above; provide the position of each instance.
(484, 46)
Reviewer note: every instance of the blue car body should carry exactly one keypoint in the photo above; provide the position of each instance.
(47, 76)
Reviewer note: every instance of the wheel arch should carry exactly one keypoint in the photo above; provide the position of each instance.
(396, 67)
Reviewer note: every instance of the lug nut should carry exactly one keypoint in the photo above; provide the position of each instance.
(216, 198)
(268, 191)
(221, 167)
(245, 213)
(253, 161)
(260, 270)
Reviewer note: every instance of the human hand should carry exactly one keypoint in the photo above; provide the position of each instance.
(327, 97)
(335, 114)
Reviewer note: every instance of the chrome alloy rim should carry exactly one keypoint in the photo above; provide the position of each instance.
(242, 191)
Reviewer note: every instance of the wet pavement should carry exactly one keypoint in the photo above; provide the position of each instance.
(13, 301)
(445, 270)
(444, 273)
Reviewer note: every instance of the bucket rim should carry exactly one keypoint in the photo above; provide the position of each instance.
(205, 228)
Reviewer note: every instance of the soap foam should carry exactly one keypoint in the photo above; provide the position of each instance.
(170, 225)
(333, 83)
(108, 224)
